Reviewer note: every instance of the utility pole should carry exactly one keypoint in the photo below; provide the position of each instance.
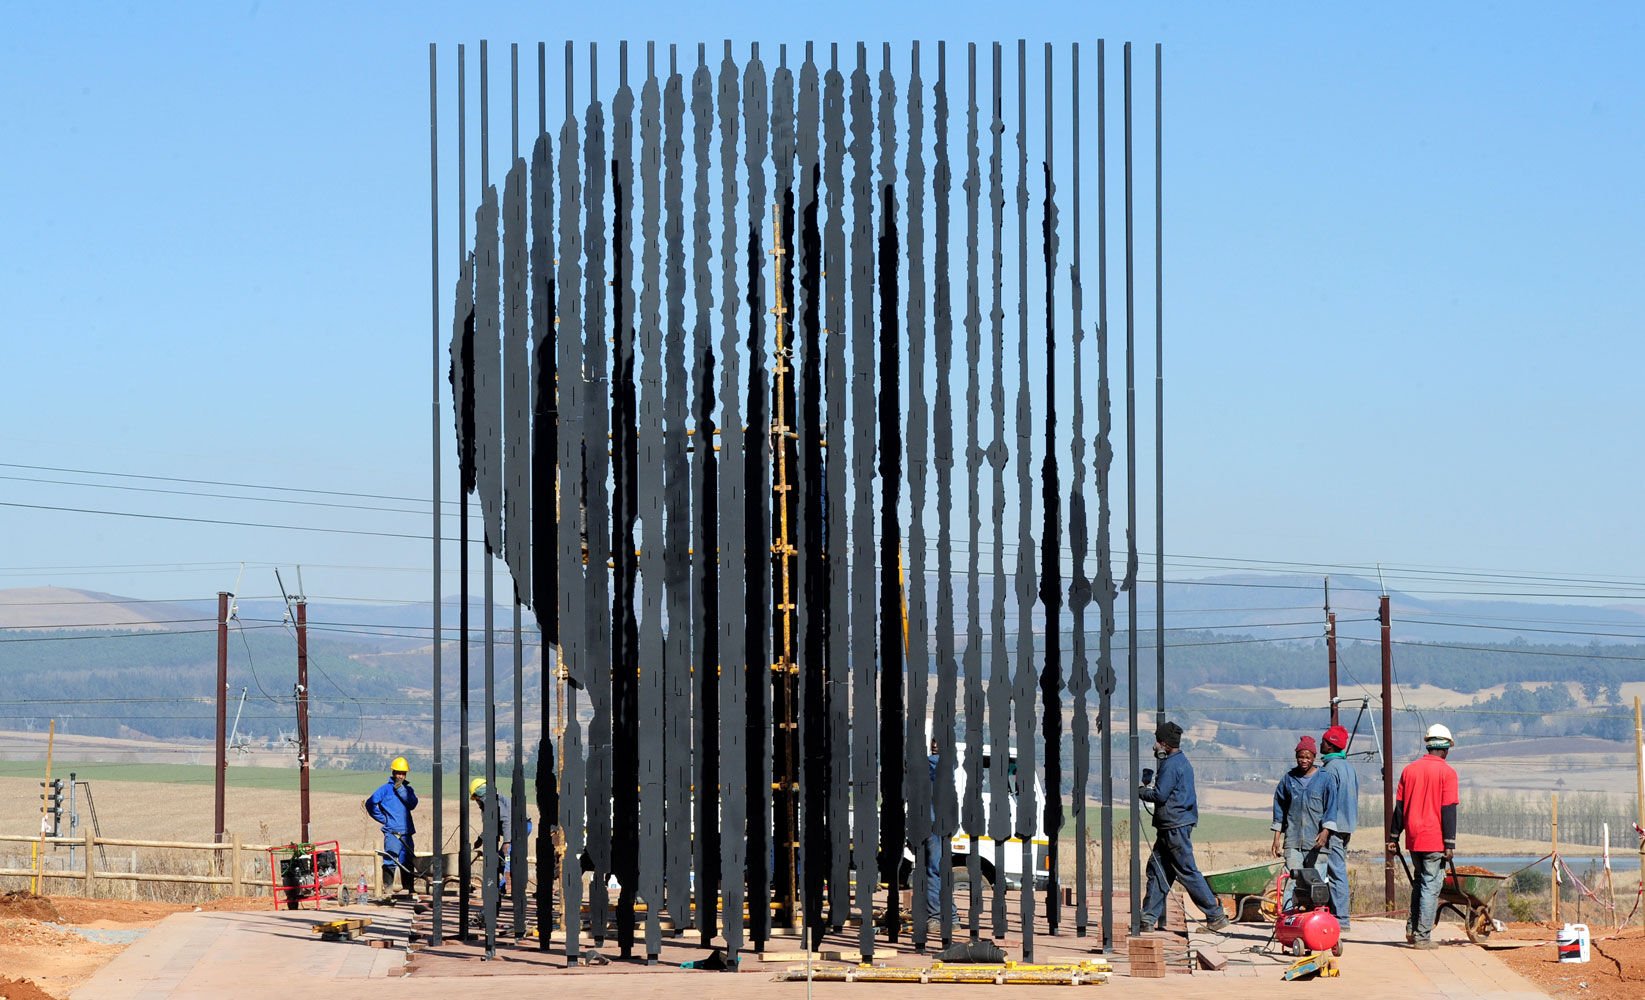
(1331, 649)
(302, 711)
(1553, 883)
(1387, 748)
(1639, 779)
(222, 711)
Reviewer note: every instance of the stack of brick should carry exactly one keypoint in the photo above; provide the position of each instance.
(1147, 957)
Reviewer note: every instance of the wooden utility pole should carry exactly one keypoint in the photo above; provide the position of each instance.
(302, 711)
(46, 790)
(1553, 883)
(222, 712)
(1331, 649)
(1387, 749)
(1639, 789)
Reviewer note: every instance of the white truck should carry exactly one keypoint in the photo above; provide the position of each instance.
(1000, 859)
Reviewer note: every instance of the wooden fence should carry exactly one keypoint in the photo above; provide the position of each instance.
(233, 878)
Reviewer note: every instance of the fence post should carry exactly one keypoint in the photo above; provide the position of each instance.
(377, 881)
(234, 886)
(91, 841)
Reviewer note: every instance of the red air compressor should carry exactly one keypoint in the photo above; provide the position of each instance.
(1305, 923)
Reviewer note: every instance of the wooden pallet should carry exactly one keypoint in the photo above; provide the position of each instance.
(341, 930)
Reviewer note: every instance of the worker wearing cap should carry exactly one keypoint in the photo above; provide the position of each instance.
(1425, 810)
(1176, 811)
(505, 816)
(390, 806)
(1301, 800)
(1341, 818)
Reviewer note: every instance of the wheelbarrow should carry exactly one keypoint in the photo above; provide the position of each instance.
(1468, 894)
(1240, 888)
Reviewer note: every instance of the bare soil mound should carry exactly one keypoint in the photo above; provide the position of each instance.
(22, 989)
(27, 906)
(1615, 971)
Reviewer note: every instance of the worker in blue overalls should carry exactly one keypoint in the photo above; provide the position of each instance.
(390, 806)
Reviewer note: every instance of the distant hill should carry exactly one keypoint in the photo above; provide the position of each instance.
(105, 665)
(61, 607)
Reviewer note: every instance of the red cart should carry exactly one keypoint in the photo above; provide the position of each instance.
(304, 873)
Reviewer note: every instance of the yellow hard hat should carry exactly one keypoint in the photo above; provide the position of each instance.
(399, 764)
(476, 785)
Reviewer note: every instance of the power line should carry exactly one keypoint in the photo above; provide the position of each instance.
(212, 520)
(214, 482)
(220, 496)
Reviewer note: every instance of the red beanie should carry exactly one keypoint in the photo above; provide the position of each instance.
(1337, 736)
(1307, 743)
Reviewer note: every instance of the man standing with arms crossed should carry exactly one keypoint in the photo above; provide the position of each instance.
(1425, 809)
(1301, 802)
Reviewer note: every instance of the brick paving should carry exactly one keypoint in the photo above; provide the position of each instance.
(274, 954)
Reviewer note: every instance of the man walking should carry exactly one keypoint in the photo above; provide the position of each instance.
(505, 827)
(390, 806)
(1340, 819)
(1176, 810)
(1425, 810)
(1301, 800)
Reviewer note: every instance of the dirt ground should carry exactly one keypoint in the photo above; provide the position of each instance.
(44, 955)
(1615, 971)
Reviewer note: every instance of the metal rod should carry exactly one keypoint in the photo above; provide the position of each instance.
(489, 888)
(516, 359)
(947, 697)
(1051, 538)
(999, 678)
(1080, 585)
(1159, 408)
(438, 932)
(892, 764)
(917, 786)
(1105, 555)
(1131, 521)
(1023, 683)
(972, 819)
(465, 872)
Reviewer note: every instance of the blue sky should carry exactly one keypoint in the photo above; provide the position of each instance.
(1402, 260)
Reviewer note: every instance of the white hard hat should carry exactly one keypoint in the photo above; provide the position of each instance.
(1438, 736)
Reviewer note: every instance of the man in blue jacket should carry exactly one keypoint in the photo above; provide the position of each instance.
(390, 807)
(1341, 818)
(1176, 810)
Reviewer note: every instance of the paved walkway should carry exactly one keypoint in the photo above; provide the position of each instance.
(274, 955)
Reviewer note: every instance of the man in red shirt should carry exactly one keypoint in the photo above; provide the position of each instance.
(1425, 809)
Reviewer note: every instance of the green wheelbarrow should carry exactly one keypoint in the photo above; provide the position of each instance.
(1247, 888)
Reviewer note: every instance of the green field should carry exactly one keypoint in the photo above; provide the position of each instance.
(360, 783)
(1213, 828)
